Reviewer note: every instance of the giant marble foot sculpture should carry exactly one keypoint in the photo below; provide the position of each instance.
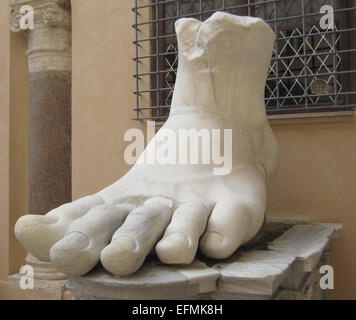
(176, 206)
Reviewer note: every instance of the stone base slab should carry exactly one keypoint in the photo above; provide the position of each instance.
(42, 289)
(282, 262)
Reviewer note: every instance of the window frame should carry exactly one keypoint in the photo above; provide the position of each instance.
(156, 107)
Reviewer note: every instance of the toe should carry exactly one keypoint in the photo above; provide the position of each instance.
(175, 249)
(133, 241)
(70, 256)
(79, 251)
(38, 233)
(180, 241)
(122, 257)
(227, 229)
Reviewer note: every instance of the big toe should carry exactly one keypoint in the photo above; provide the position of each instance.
(37, 234)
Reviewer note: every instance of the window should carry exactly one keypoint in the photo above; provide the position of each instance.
(311, 68)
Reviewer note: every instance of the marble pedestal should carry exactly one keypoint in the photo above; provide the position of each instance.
(48, 283)
(281, 262)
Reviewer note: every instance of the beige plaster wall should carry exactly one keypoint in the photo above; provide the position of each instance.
(102, 99)
(14, 97)
(316, 181)
(4, 138)
(19, 148)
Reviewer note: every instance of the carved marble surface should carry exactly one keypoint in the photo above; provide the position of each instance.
(269, 267)
(220, 85)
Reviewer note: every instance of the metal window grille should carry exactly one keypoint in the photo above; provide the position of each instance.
(312, 69)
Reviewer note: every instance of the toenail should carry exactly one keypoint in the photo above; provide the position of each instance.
(48, 220)
(161, 200)
(179, 237)
(73, 240)
(213, 239)
(126, 242)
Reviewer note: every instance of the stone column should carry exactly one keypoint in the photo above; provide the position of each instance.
(49, 62)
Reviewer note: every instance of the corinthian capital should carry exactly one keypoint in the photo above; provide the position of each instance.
(15, 21)
(54, 13)
(19, 3)
(49, 37)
